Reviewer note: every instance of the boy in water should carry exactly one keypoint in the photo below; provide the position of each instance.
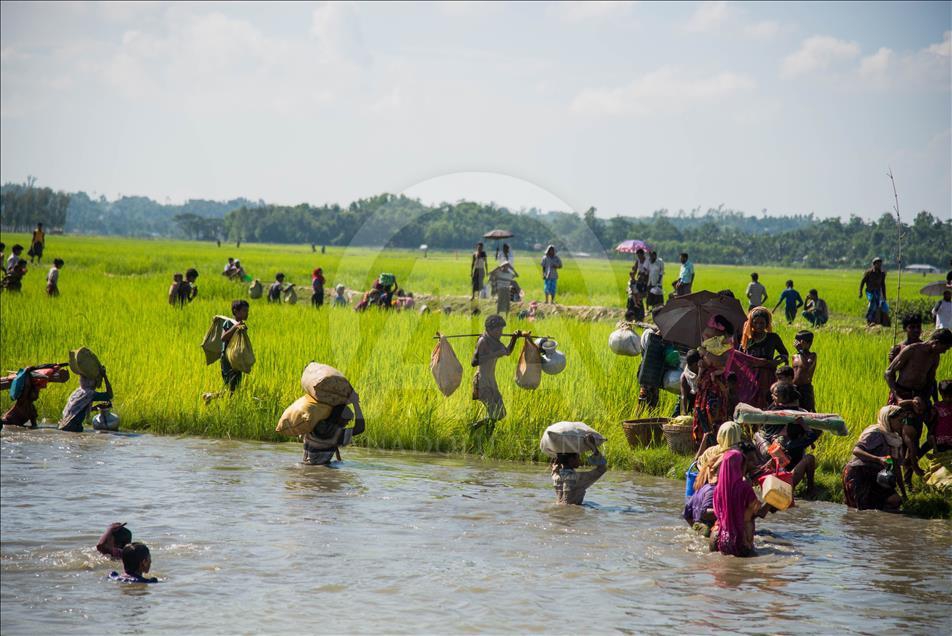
(116, 537)
(136, 561)
(570, 485)
(52, 278)
(239, 309)
(489, 348)
(804, 366)
(792, 301)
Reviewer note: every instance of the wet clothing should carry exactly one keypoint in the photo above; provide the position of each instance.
(570, 485)
(131, 578)
(768, 348)
(860, 488)
(77, 407)
(698, 504)
(322, 450)
(23, 412)
(733, 495)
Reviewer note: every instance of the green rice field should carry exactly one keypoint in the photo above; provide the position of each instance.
(114, 301)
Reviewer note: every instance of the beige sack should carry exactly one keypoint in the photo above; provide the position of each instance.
(256, 289)
(302, 416)
(445, 366)
(529, 369)
(212, 344)
(326, 384)
(84, 362)
(290, 295)
(239, 353)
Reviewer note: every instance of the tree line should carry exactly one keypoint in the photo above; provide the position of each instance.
(716, 235)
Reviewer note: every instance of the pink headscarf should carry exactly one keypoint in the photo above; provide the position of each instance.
(732, 496)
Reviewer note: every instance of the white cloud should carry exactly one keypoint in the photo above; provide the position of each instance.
(943, 48)
(877, 64)
(709, 16)
(762, 30)
(664, 89)
(337, 28)
(818, 53)
(569, 11)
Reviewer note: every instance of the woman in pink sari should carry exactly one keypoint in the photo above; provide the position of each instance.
(735, 506)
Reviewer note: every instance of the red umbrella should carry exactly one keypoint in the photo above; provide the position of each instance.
(683, 318)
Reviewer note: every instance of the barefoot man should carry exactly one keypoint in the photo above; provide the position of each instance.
(912, 375)
(489, 348)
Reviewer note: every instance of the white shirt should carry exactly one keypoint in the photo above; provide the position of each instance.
(943, 314)
(655, 273)
(53, 277)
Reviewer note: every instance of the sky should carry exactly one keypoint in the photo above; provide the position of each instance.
(628, 107)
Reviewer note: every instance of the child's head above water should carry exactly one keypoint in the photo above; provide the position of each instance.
(136, 559)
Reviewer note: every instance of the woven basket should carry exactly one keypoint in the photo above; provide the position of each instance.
(644, 432)
(679, 438)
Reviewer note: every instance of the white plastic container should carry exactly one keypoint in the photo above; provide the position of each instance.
(777, 492)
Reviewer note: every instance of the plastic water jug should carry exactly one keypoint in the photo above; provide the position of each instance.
(689, 478)
(777, 492)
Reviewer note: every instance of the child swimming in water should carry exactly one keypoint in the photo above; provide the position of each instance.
(136, 561)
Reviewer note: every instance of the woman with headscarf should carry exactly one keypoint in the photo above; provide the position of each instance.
(551, 264)
(317, 286)
(81, 401)
(876, 445)
(759, 340)
(489, 348)
(712, 403)
(477, 270)
(697, 508)
(735, 506)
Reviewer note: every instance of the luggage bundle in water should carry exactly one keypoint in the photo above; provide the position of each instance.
(325, 387)
(446, 368)
(570, 437)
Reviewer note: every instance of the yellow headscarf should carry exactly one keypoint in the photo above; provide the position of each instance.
(729, 435)
(756, 312)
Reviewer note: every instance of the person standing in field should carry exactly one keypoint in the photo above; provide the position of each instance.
(178, 291)
(14, 258)
(874, 280)
(506, 256)
(13, 281)
(684, 283)
(274, 292)
(477, 271)
(791, 300)
(655, 280)
(943, 311)
(37, 243)
(503, 277)
(52, 278)
(804, 366)
(756, 292)
(815, 309)
(912, 325)
(239, 311)
(191, 275)
(317, 287)
(551, 264)
(641, 271)
(489, 348)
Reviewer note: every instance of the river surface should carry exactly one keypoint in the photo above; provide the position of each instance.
(246, 540)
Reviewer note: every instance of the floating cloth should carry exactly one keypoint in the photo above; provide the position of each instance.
(829, 422)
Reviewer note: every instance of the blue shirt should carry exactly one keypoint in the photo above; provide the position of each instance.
(687, 272)
(791, 297)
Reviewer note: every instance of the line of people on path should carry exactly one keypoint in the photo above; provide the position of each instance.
(14, 268)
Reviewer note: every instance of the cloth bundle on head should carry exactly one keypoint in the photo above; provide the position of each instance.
(756, 312)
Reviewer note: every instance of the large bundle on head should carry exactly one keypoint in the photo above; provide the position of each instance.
(570, 437)
(302, 416)
(326, 384)
(84, 363)
(446, 368)
(529, 368)
(624, 341)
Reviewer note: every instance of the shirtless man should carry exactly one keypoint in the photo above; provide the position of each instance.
(912, 325)
(489, 348)
(912, 375)
(874, 279)
(804, 366)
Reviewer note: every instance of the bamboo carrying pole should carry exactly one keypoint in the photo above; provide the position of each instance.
(898, 258)
(476, 335)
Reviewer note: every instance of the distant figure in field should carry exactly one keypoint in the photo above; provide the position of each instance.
(791, 300)
(815, 309)
(239, 311)
(655, 280)
(178, 291)
(477, 270)
(52, 278)
(13, 281)
(37, 243)
(14, 257)
(340, 298)
(641, 271)
(943, 311)
(874, 281)
(912, 325)
(685, 281)
(191, 275)
(551, 264)
(274, 292)
(230, 269)
(317, 287)
(505, 255)
(756, 292)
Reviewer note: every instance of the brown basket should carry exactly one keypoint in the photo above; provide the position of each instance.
(679, 438)
(644, 432)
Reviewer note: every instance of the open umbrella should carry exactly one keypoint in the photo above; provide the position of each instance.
(497, 234)
(935, 289)
(683, 318)
(632, 246)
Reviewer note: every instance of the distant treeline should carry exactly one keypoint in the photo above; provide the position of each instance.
(717, 235)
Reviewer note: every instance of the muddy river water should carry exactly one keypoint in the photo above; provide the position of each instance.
(246, 540)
